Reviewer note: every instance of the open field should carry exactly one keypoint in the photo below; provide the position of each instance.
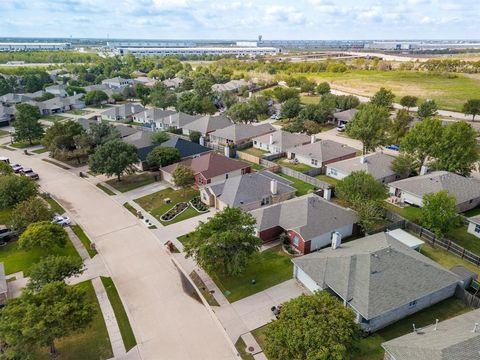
(449, 93)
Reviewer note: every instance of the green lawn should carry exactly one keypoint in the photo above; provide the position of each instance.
(472, 212)
(449, 93)
(154, 204)
(131, 182)
(24, 144)
(370, 348)
(84, 239)
(54, 205)
(203, 289)
(5, 215)
(446, 259)
(40, 151)
(302, 187)
(310, 100)
(256, 167)
(105, 189)
(78, 112)
(130, 208)
(253, 151)
(327, 179)
(54, 118)
(411, 213)
(241, 346)
(122, 319)
(92, 343)
(4, 133)
(297, 167)
(268, 268)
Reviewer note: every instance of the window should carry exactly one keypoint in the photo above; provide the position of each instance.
(333, 171)
(296, 240)
(314, 162)
(477, 229)
(412, 303)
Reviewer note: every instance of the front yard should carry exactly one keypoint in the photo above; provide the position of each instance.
(155, 205)
(294, 166)
(131, 182)
(54, 118)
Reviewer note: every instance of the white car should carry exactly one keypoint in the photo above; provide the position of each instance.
(61, 220)
(341, 128)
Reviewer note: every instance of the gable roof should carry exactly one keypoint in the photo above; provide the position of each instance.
(323, 150)
(475, 219)
(123, 110)
(175, 82)
(376, 164)
(209, 165)
(239, 132)
(376, 274)
(153, 114)
(449, 339)
(249, 188)
(346, 115)
(284, 139)
(308, 215)
(229, 86)
(178, 119)
(185, 148)
(207, 124)
(463, 188)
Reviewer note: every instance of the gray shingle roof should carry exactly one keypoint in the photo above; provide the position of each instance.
(178, 119)
(308, 215)
(249, 188)
(346, 115)
(229, 86)
(283, 139)
(239, 132)
(376, 164)
(376, 274)
(207, 124)
(453, 339)
(153, 114)
(323, 150)
(463, 188)
(123, 111)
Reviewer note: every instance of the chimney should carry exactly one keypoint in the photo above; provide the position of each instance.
(436, 324)
(336, 240)
(274, 187)
(327, 194)
(475, 327)
(226, 150)
(271, 139)
(170, 120)
(363, 160)
(312, 139)
(145, 115)
(132, 109)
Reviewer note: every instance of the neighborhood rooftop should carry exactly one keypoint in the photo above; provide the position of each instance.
(238, 132)
(376, 164)
(323, 150)
(283, 139)
(208, 123)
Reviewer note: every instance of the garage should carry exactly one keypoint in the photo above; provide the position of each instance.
(305, 280)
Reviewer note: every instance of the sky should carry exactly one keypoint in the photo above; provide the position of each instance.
(242, 19)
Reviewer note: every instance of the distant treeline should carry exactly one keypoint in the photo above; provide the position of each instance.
(48, 57)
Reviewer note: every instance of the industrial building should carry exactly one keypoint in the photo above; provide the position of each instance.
(33, 46)
(187, 51)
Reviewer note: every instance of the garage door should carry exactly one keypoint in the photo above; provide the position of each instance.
(306, 280)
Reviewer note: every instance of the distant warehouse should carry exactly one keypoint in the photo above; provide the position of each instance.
(185, 51)
(34, 46)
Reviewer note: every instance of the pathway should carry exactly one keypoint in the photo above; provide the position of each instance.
(77, 244)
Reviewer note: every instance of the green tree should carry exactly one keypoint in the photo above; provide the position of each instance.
(114, 158)
(290, 108)
(312, 327)
(162, 156)
(282, 94)
(346, 102)
(404, 165)
(189, 103)
(61, 136)
(399, 127)
(143, 93)
(370, 214)
(427, 109)
(54, 268)
(323, 88)
(383, 97)
(360, 186)
(242, 112)
(44, 234)
(102, 132)
(195, 136)
(408, 101)
(472, 107)
(227, 98)
(183, 176)
(162, 97)
(30, 211)
(202, 87)
(40, 318)
(95, 97)
(439, 212)
(15, 189)
(5, 169)
(370, 125)
(225, 243)
(159, 137)
(26, 124)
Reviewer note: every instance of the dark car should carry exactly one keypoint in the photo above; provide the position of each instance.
(16, 168)
(393, 147)
(6, 234)
(30, 173)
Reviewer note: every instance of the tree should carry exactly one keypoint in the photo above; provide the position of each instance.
(195, 136)
(162, 97)
(290, 108)
(225, 242)
(95, 97)
(227, 98)
(346, 102)
(312, 327)
(360, 186)
(61, 136)
(15, 189)
(183, 176)
(114, 157)
(39, 318)
(439, 212)
(472, 107)
(44, 234)
(282, 94)
(457, 148)
(242, 112)
(311, 127)
(162, 156)
(30, 211)
(408, 101)
(383, 97)
(399, 126)
(102, 132)
(323, 88)
(370, 125)
(427, 109)
(404, 165)
(143, 93)
(5, 169)
(421, 141)
(159, 137)
(54, 268)
(188, 103)
(26, 124)
(202, 87)
(370, 214)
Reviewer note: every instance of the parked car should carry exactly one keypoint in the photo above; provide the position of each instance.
(275, 117)
(341, 128)
(5, 159)
(30, 173)
(393, 147)
(16, 168)
(61, 220)
(6, 234)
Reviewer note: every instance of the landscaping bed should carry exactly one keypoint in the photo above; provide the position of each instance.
(176, 210)
(198, 205)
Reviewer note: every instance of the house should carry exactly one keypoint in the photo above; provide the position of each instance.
(411, 191)
(344, 117)
(457, 338)
(175, 121)
(279, 141)
(145, 80)
(321, 153)
(173, 83)
(208, 168)
(474, 225)
(187, 149)
(142, 140)
(57, 90)
(378, 277)
(309, 222)
(239, 134)
(7, 114)
(117, 82)
(58, 105)
(151, 116)
(376, 164)
(3, 286)
(206, 124)
(248, 192)
(123, 113)
(231, 86)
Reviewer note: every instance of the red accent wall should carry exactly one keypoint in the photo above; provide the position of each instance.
(348, 156)
(270, 234)
(303, 246)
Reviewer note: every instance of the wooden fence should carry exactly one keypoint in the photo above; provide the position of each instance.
(467, 298)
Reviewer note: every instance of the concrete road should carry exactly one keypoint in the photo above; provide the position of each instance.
(168, 323)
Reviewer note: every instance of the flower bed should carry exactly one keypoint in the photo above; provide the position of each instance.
(174, 211)
(198, 205)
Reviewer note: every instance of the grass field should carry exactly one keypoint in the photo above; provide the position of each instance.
(105, 189)
(84, 239)
(449, 93)
(327, 179)
(132, 182)
(203, 289)
(302, 187)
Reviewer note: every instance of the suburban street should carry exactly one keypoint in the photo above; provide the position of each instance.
(167, 321)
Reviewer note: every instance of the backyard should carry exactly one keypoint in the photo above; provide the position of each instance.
(302, 187)
(327, 179)
(446, 259)
(134, 181)
(254, 151)
(155, 205)
(294, 166)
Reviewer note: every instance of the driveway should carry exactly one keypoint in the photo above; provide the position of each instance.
(168, 322)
